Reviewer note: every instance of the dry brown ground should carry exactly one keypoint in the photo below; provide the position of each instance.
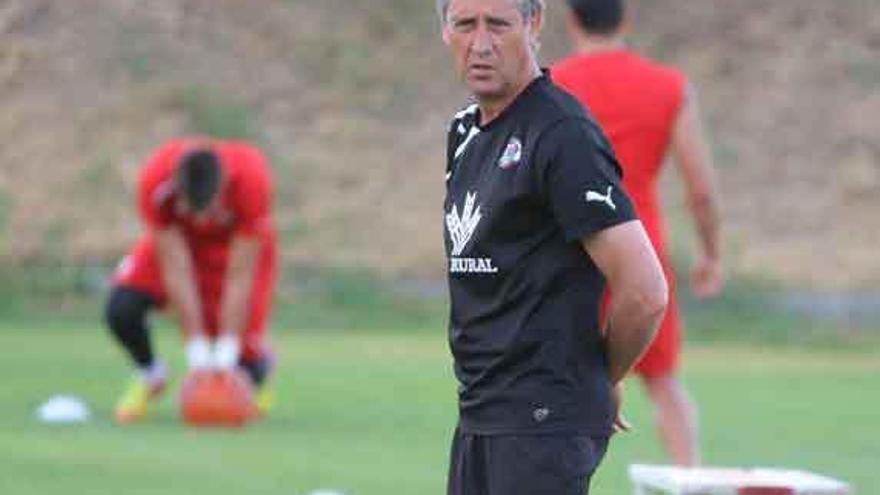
(351, 99)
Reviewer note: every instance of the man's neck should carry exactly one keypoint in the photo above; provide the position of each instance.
(588, 44)
(491, 108)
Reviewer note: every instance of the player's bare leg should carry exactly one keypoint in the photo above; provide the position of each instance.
(676, 417)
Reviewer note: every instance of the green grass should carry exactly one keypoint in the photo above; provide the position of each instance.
(371, 412)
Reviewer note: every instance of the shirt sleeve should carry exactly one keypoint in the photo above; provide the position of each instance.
(580, 179)
(253, 195)
(155, 188)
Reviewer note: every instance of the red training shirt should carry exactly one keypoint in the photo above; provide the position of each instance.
(637, 102)
(245, 205)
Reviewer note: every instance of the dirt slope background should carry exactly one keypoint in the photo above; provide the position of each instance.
(351, 100)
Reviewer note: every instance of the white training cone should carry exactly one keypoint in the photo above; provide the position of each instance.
(63, 409)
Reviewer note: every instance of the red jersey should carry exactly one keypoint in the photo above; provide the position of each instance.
(245, 208)
(637, 102)
(245, 204)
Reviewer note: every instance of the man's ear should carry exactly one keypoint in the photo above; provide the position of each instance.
(536, 24)
(444, 33)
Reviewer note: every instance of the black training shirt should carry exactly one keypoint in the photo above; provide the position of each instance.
(522, 193)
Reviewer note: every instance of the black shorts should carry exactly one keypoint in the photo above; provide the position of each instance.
(523, 464)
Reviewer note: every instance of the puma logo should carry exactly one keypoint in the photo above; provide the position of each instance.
(593, 196)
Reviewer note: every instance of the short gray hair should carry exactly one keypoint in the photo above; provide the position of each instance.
(528, 8)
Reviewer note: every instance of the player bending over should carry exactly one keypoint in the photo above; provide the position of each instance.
(209, 253)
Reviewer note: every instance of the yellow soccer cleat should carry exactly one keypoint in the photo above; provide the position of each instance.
(134, 403)
(264, 400)
(260, 372)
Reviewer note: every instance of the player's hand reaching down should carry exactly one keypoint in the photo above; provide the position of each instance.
(707, 278)
(198, 352)
(226, 351)
(221, 354)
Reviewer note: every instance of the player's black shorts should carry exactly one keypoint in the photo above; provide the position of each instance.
(523, 464)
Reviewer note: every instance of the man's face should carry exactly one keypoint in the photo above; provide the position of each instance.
(491, 43)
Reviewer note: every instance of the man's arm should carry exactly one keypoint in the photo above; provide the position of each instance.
(694, 159)
(240, 271)
(626, 258)
(251, 198)
(179, 276)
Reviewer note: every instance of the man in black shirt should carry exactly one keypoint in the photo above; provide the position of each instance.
(536, 223)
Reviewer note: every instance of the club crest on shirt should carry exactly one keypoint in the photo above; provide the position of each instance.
(512, 154)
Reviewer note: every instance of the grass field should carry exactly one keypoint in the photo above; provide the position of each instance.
(370, 413)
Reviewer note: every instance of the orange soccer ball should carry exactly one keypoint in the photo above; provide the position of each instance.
(214, 398)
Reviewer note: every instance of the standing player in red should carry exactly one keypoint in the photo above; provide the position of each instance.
(209, 254)
(648, 109)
